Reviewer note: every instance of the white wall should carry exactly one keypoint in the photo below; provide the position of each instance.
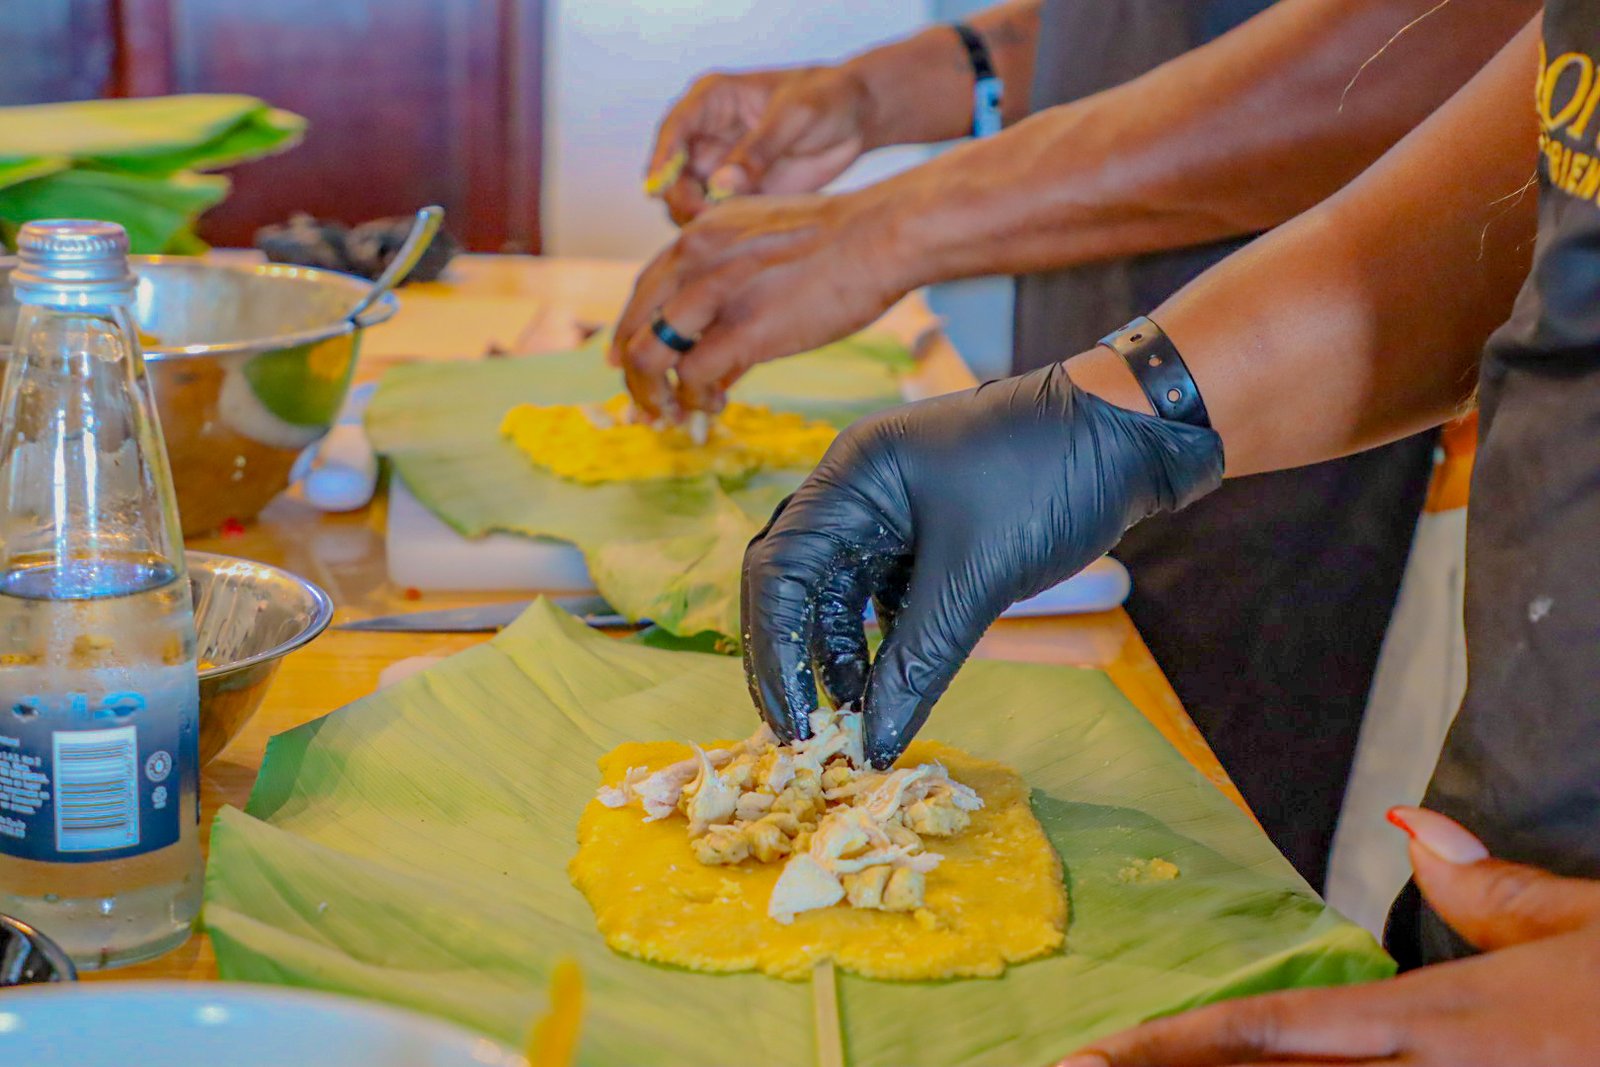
(615, 65)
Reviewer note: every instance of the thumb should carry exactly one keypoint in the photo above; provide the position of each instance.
(1491, 903)
(774, 137)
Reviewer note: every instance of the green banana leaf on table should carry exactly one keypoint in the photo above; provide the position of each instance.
(413, 847)
(666, 550)
(133, 161)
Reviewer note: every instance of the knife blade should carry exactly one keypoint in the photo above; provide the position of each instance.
(487, 618)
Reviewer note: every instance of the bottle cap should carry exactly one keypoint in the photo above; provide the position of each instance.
(73, 261)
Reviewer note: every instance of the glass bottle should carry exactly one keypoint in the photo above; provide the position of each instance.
(99, 690)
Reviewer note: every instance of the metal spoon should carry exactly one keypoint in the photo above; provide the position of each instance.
(416, 243)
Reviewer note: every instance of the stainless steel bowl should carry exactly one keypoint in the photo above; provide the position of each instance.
(27, 957)
(250, 364)
(247, 617)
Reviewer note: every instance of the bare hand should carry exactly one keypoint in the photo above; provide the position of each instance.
(1533, 1000)
(755, 279)
(777, 131)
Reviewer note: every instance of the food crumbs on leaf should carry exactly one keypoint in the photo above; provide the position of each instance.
(1145, 872)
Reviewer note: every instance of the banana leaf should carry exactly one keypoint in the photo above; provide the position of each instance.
(157, 135)
(132, 161)
(666, 550)
(157, 212)
(413, 846)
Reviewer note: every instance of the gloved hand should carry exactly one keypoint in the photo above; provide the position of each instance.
(791, 130)
(945, 513)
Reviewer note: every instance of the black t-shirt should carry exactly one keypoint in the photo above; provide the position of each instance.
(1521, 767)
(1298, 570)
(1086, 46)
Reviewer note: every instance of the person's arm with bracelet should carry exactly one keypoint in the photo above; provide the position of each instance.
(793, 130)
(1229, 139)
(1357, 323)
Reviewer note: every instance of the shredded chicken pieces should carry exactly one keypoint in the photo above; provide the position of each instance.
(845, 832)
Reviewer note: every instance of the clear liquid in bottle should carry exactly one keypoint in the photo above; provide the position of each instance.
(99, 697)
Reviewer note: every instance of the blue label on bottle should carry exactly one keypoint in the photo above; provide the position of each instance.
(87, 778)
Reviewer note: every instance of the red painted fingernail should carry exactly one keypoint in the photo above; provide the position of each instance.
(1396, 817)
(1442, 836)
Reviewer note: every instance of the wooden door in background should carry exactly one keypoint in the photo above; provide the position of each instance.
(56, 50)
(410, 102)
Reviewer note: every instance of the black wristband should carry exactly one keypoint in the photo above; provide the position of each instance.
(1160, 371)
(987, 87)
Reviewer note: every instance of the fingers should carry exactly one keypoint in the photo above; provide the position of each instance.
(780, 580)
(692, 283)
(1349, 1025)
(772, 138)
(656, 373)
(839, 642)
(707, 112)
(725, 353)
(819, 546)
(930, 637)
(776, 713)
(890, 598)
(685, 200)
(1491, 903)
(686, 197)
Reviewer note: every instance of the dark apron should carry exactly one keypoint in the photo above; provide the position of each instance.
(1265, 603)
(1521, 765)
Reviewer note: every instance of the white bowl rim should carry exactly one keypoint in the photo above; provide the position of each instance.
(378, 1012)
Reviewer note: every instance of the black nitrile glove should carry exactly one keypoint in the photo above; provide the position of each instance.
(945, 513)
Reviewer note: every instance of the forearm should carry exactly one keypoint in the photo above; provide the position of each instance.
(1232, 138)
(921, 88)
(1362, 320)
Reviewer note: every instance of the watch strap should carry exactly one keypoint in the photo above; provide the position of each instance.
(987, 88)
(1160, 371)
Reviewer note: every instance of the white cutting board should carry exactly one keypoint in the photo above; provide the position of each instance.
(427, 555)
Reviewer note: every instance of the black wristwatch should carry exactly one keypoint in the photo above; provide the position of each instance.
(1160, 371)
(987, 88)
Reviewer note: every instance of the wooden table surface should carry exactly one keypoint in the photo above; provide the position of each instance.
(509, 303)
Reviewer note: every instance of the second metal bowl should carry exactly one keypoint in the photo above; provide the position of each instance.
(247, 617)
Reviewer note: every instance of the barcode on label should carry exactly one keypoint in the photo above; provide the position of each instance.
(97, 789)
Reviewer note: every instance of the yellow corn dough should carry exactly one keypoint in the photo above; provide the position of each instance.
(598, 444)
(996, 898)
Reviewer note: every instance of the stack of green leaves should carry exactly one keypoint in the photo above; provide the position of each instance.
(134, 162)
(413, 847)
(667, 550)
